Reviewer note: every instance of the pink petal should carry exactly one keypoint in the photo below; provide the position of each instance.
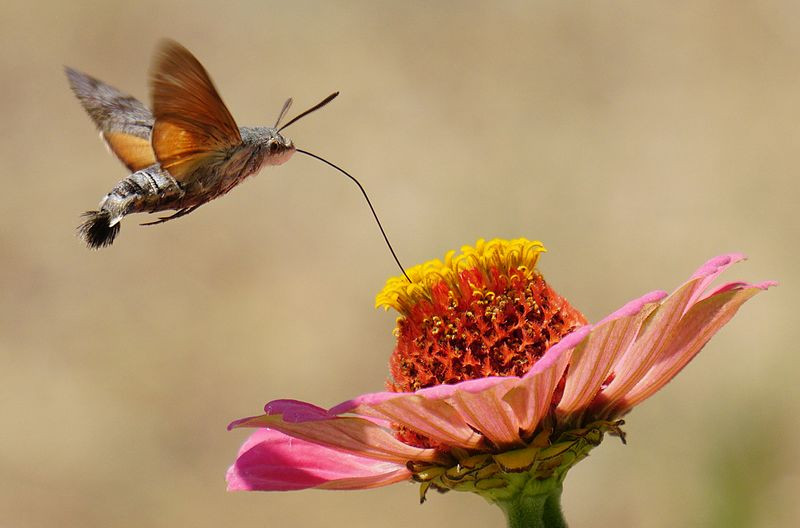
(712, 269)
(435, 419)
(352, 434)
(532, 397)
(474, 386)
(487, 412)
(659, 332)
(496, 407)
(433, 412)
(437, 392)
(738, 285)
(699, 324)
(637, 360)
(557, 353)
(296, 411)
(272, 461)
(593, 361)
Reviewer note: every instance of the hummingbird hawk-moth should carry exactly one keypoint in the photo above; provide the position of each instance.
(185, 152)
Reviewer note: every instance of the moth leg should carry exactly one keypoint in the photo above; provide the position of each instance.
(180, 213)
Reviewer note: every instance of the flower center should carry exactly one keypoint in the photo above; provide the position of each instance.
(484, 312)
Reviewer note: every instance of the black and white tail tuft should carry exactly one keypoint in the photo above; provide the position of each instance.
(97, 230)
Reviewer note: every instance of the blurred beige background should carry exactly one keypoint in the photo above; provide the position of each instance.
(635, 139)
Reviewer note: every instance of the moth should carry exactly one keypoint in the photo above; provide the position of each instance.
(184, 153)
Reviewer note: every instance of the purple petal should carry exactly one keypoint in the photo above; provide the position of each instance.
(272, 461)
(296, 411)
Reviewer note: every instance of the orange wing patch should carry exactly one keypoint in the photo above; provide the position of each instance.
(192, 124)
(135, 152)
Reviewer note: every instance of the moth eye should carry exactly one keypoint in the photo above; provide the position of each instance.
(273, 147)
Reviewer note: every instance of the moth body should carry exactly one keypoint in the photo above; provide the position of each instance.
(184, 153)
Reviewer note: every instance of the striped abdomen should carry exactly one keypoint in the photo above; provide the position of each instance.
(148, 190)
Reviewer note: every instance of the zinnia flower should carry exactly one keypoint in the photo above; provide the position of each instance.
(498, 385)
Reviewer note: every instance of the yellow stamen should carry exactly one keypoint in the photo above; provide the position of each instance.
(497, 254)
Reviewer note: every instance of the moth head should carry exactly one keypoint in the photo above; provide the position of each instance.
(279, 149)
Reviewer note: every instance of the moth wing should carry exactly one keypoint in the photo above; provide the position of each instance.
(192, 124)
(123, 121)
(135, 152)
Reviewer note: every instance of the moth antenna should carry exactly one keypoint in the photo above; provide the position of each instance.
(285, 109)
(97, 230)
(361, 187)
(314, 108)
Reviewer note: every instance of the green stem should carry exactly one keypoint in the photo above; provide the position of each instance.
(534, 511)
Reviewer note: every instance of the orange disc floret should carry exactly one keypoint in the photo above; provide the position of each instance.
(485, 312)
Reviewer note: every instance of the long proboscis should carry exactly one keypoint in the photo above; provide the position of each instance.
(314, 108)
(361, 187)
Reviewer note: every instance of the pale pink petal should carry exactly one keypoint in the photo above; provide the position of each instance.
(659, 331)
(352, 434)
(593, 360)
(431, 412)
(437, 392)
(559, 353)
(738, 285)
(637, 360)
(487, 412)
(711, 270)
(435, 419)
(697, 326)
(495, 407)
(368, 482)
(532, 397)
(271, 461)
(473, 385)
(369, 399)
(635, 306)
